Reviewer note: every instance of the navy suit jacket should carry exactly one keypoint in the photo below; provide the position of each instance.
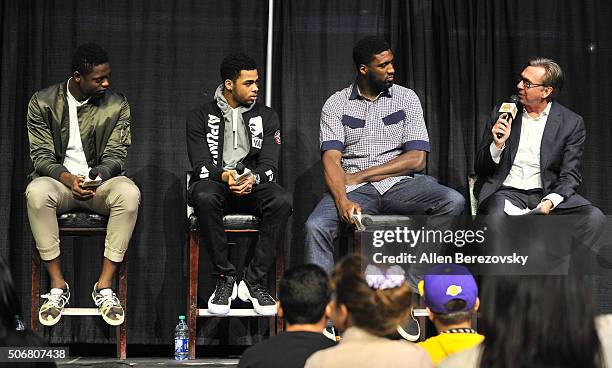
(560, 156)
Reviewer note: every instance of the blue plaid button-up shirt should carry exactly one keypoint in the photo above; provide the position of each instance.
(372, 133)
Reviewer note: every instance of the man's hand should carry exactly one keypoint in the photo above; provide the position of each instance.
(545, 206)
(346, 209)
(229, 177)
(353, 178)
(502, 126)
(244, 187)
(78, 192)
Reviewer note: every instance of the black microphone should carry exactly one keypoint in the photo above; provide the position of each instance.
(240, 168)
(93, 173)
(509, 108)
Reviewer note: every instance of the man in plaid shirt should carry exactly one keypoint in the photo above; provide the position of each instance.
(374, 144)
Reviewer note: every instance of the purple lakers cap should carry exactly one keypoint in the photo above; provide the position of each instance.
(446, 282)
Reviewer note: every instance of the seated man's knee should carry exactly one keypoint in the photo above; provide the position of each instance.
(39, 194)
(129, 194)
(283, 201)
(316, 224)
(454, 202)
(202, 197)
(595, 217)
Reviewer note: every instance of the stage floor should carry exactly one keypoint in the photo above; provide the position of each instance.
(147, 362)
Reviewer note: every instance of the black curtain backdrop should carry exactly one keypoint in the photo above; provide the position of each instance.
(461, 58)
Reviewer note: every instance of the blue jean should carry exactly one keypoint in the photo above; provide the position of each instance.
(421, 195)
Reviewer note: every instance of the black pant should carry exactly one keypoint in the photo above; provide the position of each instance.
(269, 201)
(586, 229)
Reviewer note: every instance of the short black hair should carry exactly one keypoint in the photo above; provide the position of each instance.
(233, 64)
(457, 314)
(366, 48)
(304, 293)
(87, 56)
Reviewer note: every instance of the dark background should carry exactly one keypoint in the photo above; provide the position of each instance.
(461, 58)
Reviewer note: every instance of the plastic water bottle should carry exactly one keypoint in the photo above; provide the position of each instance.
(181, 340)
(19, 326)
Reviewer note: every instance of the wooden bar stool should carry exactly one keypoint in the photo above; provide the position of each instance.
(81, 223)
(233, 224)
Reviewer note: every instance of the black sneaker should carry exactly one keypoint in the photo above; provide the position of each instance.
(263, 302)
(410, 328)
(225, 291)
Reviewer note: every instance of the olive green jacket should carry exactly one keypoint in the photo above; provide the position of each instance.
(104, 124)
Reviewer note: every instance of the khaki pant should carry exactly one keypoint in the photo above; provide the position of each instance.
(118, 198)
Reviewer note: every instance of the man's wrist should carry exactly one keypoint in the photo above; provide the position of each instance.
(543, 202)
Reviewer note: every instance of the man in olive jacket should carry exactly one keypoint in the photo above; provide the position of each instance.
(79, 130)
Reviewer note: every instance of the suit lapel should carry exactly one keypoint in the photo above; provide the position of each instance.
(515, 135)
(548, 137)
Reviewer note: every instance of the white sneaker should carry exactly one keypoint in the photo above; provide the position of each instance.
(51, 310)
(258, 295)
(109, 306)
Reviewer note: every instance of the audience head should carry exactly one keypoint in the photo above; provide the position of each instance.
(451, 294)
(304, 294)
(9, 303)
(377, 305)
(539, 321)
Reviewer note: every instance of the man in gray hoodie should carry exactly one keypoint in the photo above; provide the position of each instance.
(230, 131)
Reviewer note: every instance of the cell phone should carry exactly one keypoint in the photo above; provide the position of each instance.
(91, 183)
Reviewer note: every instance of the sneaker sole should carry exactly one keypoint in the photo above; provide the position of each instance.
(45, 322)
(245, 296)
(113, 322)
(222, 309)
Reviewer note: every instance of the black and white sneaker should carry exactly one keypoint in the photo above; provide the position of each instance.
(263, 302)
(410, 329)
(225, 291)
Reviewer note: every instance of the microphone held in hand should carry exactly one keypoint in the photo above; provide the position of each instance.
(241, 171)
(240, 168)
(510, 108)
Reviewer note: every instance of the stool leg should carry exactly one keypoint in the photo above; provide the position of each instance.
(357, 235)
(121, 333)
(35, 287)
(280, 269)
(192, 299)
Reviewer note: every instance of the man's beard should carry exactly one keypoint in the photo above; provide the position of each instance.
(379, 85)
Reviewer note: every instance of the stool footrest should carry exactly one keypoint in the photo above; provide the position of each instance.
(80, 312)
(232, 313)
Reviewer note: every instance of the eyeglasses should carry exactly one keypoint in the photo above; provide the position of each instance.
(528, 84)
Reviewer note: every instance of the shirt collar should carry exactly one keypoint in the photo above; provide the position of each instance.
(356, 94)
(542, 114)
(71, 97)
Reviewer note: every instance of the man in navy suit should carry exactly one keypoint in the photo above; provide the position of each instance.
(535, 161)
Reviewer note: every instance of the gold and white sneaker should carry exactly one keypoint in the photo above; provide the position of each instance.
(51, 310)
(108, 304)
